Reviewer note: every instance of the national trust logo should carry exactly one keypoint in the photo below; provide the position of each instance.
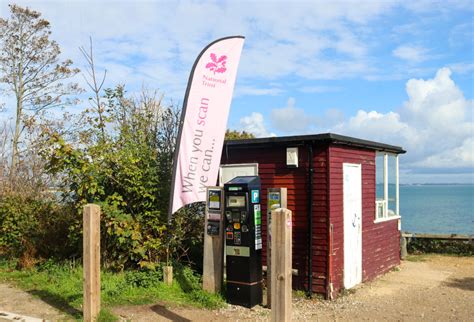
(217, 65)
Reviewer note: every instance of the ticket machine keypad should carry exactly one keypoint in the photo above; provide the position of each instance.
(237, 229)
(237, 238)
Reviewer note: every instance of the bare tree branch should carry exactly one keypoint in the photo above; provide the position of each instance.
(30, 67)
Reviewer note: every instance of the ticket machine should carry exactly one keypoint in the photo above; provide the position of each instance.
(212, 264)
(243, 240)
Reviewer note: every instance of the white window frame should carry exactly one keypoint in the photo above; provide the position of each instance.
(381, 205)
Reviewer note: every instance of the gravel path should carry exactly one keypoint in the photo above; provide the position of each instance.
(20, 302)
(438, 289)
(441, 288)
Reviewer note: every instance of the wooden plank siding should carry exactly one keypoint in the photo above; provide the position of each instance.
(380, 241)
(273, 172)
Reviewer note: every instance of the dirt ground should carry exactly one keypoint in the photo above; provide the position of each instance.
(13, 300)
(440, 288)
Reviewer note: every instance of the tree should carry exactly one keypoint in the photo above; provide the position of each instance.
(31, 70)
(95, 86)
(237, 135)
(122, 162)
(4, 136)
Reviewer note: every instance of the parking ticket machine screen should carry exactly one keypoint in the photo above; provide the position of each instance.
(236, 201)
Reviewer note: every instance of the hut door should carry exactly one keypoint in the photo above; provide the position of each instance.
(352, 224)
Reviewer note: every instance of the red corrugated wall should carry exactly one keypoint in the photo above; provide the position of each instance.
(380, 241)
(274, 173)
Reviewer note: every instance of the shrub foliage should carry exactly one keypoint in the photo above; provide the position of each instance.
(32, 229)
(122, 161)
(425, 245)
(118, 153)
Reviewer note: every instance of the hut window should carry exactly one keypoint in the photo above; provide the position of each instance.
(387, 190)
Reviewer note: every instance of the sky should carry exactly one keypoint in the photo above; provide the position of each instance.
(397, 72)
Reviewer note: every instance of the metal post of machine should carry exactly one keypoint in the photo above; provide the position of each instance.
(276, 199)
(243, 231)
(213, 241)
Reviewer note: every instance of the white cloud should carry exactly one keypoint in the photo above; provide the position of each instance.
(254, 91)
(461, 35)
(436, 103)
(458, 157)
(172, 34)
(375, 125)
(290, 118)
(315, 40)
(462, 68)
(294, 120)
(331, 117)
(255, 124)
(435, 125)
(421, 6)
(413, 54)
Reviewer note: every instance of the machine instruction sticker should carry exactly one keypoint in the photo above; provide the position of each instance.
(215, 199)
(257, 215)
(237, 251)
(273, 201)
(258, 226)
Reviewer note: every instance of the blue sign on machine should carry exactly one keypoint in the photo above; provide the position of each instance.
(255, 196)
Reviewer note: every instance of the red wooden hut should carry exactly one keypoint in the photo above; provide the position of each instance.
(342, 234)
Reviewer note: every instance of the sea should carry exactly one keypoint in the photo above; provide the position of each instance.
(436, 208)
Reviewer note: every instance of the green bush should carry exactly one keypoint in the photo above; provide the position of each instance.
(425, 245)
(17, 223)
(32, 228)
(122, 162)
(186, 278)
(144, 278)
(191, 284)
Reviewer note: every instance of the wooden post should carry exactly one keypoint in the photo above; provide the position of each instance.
(213, 261)
(168, 275)
(403, 247)
(269, 259)
(91, 262)
(281, 274)
(272, 204)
